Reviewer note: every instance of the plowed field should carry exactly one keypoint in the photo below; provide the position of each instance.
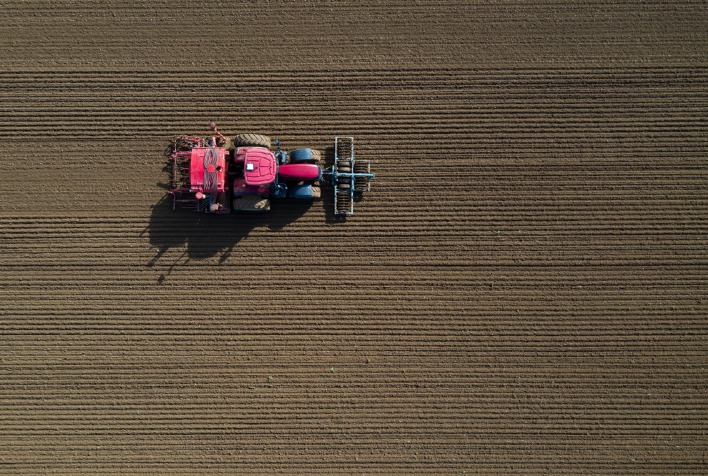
(524, 290)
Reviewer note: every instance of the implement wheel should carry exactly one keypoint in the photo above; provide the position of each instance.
(254, 140)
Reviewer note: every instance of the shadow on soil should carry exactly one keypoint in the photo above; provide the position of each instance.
(208, 235)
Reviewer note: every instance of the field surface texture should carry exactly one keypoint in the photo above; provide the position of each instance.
(524, 290)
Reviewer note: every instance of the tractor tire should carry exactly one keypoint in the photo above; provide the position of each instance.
(228, 144)
(254, 140)
(251, 203)
(305, 155)
(300, 155)
(304, 192)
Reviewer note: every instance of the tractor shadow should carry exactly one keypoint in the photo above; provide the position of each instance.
(206, 235)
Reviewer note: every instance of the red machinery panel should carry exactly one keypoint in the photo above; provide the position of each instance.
(208, 169)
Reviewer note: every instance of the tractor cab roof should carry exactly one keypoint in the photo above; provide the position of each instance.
(259, 166)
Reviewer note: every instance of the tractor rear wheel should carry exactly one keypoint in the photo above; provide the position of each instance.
(316, 192)
(316, 156)
(227, 144)
(251, 203)
(254, 140)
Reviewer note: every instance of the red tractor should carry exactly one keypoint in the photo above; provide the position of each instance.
(217, 175)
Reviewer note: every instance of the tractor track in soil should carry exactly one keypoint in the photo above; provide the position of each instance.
(522, 291)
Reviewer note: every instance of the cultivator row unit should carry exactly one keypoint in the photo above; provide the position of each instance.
(348, 177)
(219, 175)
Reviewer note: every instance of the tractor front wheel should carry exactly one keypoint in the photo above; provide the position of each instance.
(253, 140)
(305, 155)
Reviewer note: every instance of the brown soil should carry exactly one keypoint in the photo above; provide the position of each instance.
(524, 290)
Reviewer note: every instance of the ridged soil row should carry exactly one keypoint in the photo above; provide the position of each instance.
(208, 35)
(523, 291)
(600, 107)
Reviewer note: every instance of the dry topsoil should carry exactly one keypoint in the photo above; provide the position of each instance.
(524, 290)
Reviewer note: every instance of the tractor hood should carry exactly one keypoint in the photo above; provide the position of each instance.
(300, 172)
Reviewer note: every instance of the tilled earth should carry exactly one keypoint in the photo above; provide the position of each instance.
(524, 290)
